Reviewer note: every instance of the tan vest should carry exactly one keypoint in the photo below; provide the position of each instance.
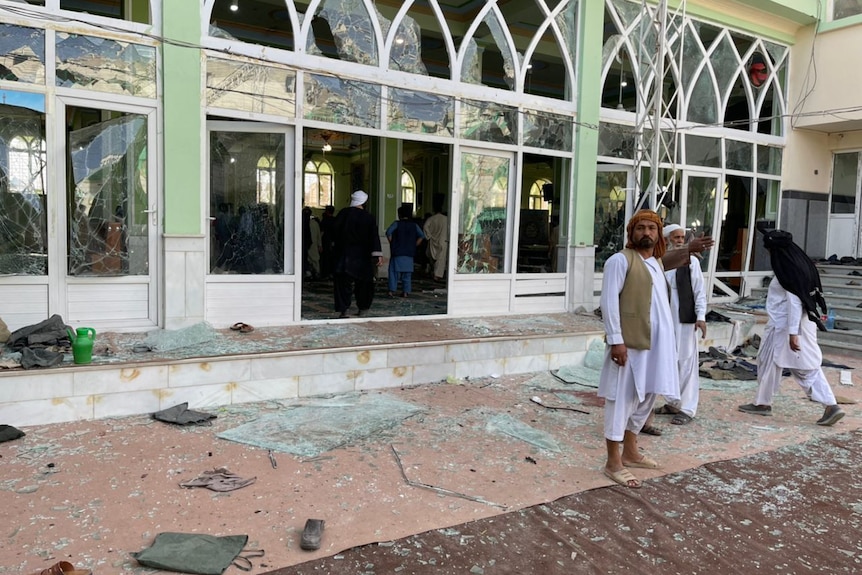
(635, 302)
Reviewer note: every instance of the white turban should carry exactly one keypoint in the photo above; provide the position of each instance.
(358, 198)
(670, 228)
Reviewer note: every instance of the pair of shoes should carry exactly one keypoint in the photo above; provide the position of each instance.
(832, 414)
(310, 540)
(681, 419)
(756, 409)
(651, 430)
(623, 477)
(63, 568)
(666, 410)
(242, 327)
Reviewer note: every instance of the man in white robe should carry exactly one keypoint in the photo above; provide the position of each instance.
(437, 231)
(684, 409)
(790, 337)
(631, 378)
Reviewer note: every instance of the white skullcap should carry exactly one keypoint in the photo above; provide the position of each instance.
(671, 228)
(358, 198)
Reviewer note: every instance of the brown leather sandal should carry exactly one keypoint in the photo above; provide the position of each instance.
(63, 568)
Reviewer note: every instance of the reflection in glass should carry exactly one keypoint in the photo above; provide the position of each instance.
(23, 217)
(107, 198)
(703, 151)
(22, 54)
(406, 52)
(764, 219)
(549, 131)
(733, 241)
(739, 155)
(769, 160)
(616, 140)
(845, 182)
(420, 112)
(482, 222)
(340, 101)
(488, 121)
(247, 203)
(610, 222)
(700, 213)
(251, 87)
(105, 65)
(343, 30)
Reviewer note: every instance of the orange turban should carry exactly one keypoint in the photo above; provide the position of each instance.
(659, 249)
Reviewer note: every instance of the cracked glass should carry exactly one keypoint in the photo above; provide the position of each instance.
(108, 207)
(105, 65)
(420, 112)
(703, 151)
(22, 54)
(739, 155)
(23, 214)
(483, 220)
(547, 131)
(489, 62)
(616, 140)
(251, 87)
(332, 99)
(342, 29)
(247, 205)
(769, 160)
(488, 121)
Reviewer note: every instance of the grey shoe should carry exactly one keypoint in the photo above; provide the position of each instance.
(832, 414)
(756, 409)
(310, 539)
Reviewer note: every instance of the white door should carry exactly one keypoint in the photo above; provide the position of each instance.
(104, 270)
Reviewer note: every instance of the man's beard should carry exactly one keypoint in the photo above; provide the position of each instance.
(645, 243)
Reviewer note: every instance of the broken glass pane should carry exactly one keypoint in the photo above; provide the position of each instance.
(429, 46)
(105, 65)
(548, 131)
(259, 22)
(702, 105)
(22, 54)
(483, 223)
(251, 87)
(489, 63)
(488, 121)
(406, 52)
(247, 205)
(616, 140)
(769, 160)
(725, 64)
(347, 25)
(703, 151)
(108, 208)
(340, 101)
(23, 214)
(610, 222)
(420, 112)
(567, 20)
(628, 11)
(739, 155)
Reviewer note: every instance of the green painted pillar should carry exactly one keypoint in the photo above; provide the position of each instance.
(586, 131)
(182, 106)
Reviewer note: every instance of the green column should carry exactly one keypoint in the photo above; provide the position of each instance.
(586, 132)
(182, 106)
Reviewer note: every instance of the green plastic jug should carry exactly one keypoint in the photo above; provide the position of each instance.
(82, 344)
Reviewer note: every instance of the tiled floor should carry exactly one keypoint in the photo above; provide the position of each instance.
(427, 298)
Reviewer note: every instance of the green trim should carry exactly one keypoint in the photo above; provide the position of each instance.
(183, 135)
(839, 24)
(583, 208)
(140, 11)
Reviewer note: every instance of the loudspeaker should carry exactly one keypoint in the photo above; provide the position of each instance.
(548, 192)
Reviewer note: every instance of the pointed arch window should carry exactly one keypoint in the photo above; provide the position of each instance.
(537, 195)
(266, 180)
(408, 187)
(319, 184)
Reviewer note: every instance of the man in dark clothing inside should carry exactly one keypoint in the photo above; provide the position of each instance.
(356, 253)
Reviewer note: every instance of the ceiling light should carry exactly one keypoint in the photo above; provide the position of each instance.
(327, 147)
(234, 6)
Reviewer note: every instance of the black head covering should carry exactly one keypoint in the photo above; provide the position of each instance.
(796, 273)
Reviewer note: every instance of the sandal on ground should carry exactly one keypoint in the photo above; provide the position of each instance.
(651, 430)
(310, 539)
(681, 419)
(666, 410)
(623, 477)
(63, 568)
(646, 462)
(242, 327)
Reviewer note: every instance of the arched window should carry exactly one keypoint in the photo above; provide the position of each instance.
(266, 180)
(537, 197)
(408, 188)
(27, 158)
(319, 184)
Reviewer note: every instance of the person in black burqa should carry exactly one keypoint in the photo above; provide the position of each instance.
(790, 337)
(356, 255)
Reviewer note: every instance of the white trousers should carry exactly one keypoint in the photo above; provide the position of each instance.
(689, 366)
(813, 381)
(626, 413)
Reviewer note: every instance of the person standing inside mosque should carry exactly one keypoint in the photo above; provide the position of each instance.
(404, 237)
(356, 254)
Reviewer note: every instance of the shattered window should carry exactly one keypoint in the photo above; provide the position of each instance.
(420, 112)
(22, 54)
(247, 232)
(406, 52)
(769, 160)
(616, 140)
(342, 29)
(340, 101)
(108, 202)
(740, 155)
(419, 44)
(548, 131)
(483, 219)
(703, 151)
(488, 121)
(487, 57)
(236, 85)
(23, 215)
(105, 65)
